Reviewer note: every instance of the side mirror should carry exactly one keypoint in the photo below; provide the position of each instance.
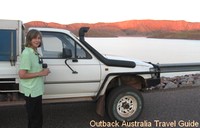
(67, 53)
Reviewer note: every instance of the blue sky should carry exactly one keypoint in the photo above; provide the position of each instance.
(93, 11)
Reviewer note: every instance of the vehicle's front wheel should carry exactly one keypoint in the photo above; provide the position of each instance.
(124, 103)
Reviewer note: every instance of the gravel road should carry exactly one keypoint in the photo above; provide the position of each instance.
(162, 107)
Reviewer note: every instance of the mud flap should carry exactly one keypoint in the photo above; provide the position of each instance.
(100, 108)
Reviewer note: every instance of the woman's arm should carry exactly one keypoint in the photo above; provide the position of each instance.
(23, 74)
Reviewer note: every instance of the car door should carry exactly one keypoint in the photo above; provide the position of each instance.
(77, 76)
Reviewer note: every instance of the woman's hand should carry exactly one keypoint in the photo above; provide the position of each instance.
(44, 72)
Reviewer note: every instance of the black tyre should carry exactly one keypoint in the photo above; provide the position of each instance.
(124, 103)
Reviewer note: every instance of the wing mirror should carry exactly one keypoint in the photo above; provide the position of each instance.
(67, 53)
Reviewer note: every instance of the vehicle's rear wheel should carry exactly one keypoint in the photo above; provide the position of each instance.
(124, 103)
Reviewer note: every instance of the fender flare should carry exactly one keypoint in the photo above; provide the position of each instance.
(104, 85)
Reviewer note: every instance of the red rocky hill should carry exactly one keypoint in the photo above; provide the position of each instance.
(149, 28)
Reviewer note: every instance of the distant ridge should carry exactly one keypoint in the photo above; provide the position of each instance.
(147, 28)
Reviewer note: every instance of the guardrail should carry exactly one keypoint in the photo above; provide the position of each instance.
(179, 67)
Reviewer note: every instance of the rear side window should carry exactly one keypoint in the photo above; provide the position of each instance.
(7, 44)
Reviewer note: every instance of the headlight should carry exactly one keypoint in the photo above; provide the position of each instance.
(154, 73)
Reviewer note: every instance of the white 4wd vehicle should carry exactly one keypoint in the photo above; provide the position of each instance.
(78, 72)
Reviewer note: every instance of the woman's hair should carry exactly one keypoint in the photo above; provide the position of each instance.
(33, 33)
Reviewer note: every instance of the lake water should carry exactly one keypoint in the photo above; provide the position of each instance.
(149, 49)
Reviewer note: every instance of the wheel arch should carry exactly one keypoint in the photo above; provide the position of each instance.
(121, 79)
(135, 81)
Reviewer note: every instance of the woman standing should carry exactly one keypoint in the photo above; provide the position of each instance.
(31, 78)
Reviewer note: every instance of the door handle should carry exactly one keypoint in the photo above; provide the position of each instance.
(74, 60)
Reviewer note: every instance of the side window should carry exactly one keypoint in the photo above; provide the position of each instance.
(53, 44)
